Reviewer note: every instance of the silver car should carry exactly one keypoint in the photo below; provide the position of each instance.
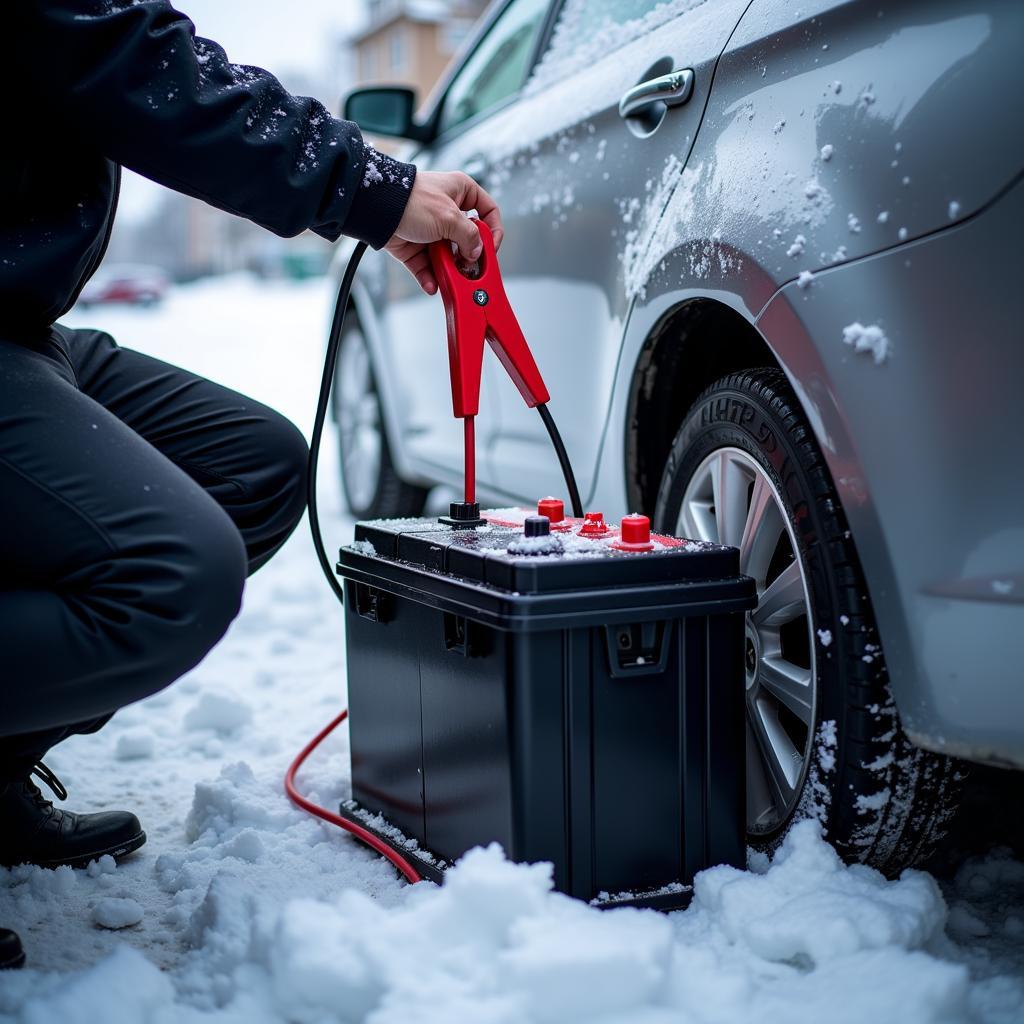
(766, 260)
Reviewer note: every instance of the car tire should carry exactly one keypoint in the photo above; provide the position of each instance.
(823, 735)
(372, 488)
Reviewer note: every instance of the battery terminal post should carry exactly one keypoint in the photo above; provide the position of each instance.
(634, 534)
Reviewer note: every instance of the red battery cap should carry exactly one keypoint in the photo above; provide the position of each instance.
(593, 525)
(552, 508)
(635, 534)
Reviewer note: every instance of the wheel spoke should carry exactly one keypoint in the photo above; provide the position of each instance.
(783, 600)
(353, 373)
(369, 410)
(779, 758)
(788, 683)
(761, 532)
(697, 521)
(729, 486)
(760, 799)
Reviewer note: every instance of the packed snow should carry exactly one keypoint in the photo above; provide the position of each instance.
(241, 908)
(117, 912)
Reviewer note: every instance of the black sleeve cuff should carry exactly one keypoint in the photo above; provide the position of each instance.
(380, 199)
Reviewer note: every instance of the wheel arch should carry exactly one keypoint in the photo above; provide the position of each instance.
(690, 347)
(693, 342)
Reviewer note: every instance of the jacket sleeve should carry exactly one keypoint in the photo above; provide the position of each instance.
(131, 79)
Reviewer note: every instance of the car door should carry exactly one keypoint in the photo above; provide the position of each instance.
(581, 188)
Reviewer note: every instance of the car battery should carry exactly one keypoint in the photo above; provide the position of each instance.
(570, 689)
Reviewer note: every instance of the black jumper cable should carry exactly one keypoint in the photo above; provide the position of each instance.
(476, 310)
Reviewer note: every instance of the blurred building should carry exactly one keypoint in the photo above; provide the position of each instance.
(410, 42)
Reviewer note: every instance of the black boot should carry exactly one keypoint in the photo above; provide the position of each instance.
(11, 953)
(33, 831)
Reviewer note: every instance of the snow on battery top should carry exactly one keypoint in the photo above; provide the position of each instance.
(572, 543)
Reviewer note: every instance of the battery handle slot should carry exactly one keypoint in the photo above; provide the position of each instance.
(463, 636)
(373, 604)
(637, 648)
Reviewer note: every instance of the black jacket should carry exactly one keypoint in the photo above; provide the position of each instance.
(93, 85)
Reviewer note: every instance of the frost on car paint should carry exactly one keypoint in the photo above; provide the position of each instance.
(871, 339)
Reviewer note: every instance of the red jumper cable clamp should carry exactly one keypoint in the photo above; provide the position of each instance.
(477, 310)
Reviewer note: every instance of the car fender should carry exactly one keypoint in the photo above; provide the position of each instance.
(830, 136)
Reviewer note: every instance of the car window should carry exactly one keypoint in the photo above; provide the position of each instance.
(600, 12)
(589, 31)
(498, 65)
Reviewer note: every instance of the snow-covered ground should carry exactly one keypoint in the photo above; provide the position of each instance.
(242, 908)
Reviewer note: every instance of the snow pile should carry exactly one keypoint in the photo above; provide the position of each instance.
(811, 909)
(217, 712)
(134, 745)
(117, 912)
(496, 945)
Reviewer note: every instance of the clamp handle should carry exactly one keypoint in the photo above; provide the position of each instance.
(477, 309)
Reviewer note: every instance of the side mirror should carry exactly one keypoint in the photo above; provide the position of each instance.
(384, 110)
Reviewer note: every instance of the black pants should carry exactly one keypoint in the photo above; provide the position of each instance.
(135, 498)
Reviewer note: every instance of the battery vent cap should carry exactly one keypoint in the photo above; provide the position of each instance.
(593, 525)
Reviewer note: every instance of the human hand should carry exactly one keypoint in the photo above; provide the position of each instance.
(437, 209)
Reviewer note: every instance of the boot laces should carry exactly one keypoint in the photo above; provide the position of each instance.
(52, 783)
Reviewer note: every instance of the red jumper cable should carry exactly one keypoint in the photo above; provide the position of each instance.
(362, 834)
(476, 310)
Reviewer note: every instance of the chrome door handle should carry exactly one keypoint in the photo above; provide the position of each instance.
(672, 89)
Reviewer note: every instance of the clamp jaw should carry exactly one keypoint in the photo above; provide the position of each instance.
(477, 310)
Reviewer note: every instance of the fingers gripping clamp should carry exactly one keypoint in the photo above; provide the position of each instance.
(477, 309)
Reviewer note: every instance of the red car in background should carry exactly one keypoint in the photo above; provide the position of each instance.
(134, 284)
